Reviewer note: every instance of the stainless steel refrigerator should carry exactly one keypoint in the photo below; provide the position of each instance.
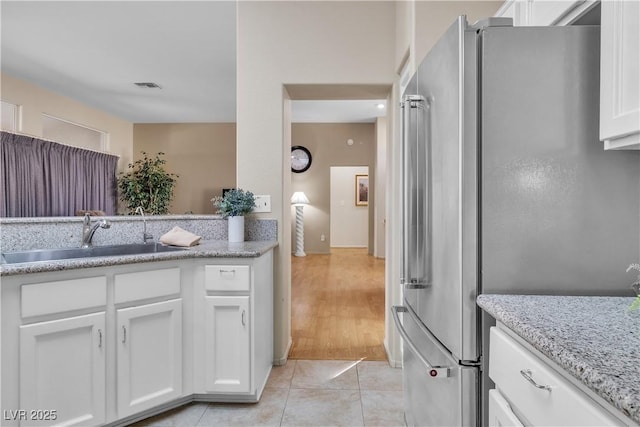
(507, 189)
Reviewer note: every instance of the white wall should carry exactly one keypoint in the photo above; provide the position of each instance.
(349, 223)
(282, 43)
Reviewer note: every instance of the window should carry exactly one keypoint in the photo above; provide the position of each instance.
(9, 116)
(69, 133)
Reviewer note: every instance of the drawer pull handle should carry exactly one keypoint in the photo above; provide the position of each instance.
(100, 338)
(124, 334)
(244, 322)
(227, 271)
(526, 373)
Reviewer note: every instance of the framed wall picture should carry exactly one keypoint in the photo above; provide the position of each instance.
(362, 190)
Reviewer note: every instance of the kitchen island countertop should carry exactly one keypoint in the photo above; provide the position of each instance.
(206, 249)
(594, 339)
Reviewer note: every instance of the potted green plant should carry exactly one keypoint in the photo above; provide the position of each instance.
(234, 205)
(147, 184)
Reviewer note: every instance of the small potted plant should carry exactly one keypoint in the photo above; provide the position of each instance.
(234, 205)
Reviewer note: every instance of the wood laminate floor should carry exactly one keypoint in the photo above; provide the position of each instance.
(337, 306)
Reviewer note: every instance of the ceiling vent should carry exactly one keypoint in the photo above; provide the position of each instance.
(149, 85)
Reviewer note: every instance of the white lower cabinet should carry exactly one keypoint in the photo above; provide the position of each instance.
(62, 372)
(149, 355)
(111, 345)
(234, 345)
(529, 391)
(227, 352)
(500, 413)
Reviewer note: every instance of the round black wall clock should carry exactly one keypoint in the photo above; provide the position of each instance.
(300, 159)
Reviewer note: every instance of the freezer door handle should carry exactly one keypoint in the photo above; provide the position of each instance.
(433, 371)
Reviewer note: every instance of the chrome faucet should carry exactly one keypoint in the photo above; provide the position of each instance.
(88, 230)
(145, 236)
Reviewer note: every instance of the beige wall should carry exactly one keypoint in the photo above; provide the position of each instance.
(327, 144)
(282, 43)
(202, 154)
(36, 101)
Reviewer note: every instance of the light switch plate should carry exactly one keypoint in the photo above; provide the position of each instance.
(263, 204)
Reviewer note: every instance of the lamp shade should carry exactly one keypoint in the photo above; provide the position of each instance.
(299, 198)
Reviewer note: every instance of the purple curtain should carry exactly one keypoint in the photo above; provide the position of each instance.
(43, 178)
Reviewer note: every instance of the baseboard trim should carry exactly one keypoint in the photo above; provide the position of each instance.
(393, 362)
(283, 360)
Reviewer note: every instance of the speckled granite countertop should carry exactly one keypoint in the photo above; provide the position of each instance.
(206, 249)
(595, 339)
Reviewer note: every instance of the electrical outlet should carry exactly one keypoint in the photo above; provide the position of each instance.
(263, 204)
(322, 238)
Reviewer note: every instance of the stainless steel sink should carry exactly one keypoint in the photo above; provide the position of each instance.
(95, 251)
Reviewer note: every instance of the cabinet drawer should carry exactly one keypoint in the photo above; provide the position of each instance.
(64, 295)
(564, 404)
(146, 284)
(227, 277)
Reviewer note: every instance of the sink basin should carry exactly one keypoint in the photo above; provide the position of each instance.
(95, 251)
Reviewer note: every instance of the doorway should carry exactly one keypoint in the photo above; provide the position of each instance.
(349, 207)
(338, 288)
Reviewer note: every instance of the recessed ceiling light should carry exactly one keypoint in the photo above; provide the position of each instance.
(149, 85)
(380, 106)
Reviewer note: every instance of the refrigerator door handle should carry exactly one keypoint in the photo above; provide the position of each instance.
(412, 274)
(434, 371)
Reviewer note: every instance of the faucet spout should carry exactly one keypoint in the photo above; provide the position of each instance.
(145, 236)
(89, 230)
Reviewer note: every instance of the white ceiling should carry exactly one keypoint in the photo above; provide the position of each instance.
(342, 111)
(94, 52)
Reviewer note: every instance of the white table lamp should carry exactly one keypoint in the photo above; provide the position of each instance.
(299, 200)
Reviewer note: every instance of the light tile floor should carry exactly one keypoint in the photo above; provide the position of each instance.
(306, 393)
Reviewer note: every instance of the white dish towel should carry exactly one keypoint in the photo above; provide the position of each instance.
(180, 237)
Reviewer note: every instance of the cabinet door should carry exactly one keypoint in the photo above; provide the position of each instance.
(620, 74)
(227, 348)
(512, 9)
(149, 355)
(500, 413)
(62, 369)
(547, 12)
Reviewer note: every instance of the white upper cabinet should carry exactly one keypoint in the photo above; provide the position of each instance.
(544, 12)
(620, 74)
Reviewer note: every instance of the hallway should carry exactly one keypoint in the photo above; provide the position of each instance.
(337, 306)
